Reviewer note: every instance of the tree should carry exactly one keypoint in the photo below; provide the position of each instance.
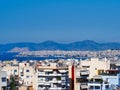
(12, 83)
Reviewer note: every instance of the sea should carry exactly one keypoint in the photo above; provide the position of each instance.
(11, 56)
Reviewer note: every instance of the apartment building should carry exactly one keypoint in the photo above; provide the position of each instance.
(58, 74)
(112, 76)
(51, 78)
(80, 79)
(106, 80)
(95, 64)
(3, 80)
(97, 83)
(23, 73)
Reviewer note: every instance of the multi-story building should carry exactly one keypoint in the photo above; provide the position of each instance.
(26, 74)
(95, 64)
(80, 78)
(97, 83)
(59, 74)
(23, 73)
(3, 80)
(51, 78)
(112, 76)
(106, 80)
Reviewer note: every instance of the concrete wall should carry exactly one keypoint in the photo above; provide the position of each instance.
(94, 64)
(112, 79)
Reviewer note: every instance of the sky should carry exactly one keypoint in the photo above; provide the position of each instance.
(59, 20)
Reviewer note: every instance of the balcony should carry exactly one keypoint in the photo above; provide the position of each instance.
(84, 86)
(41, 74)
(81, 80)
(57, 88)
(94, 86)
(41, 81)
(41, 88)
(55, 81)
(55, 74)
(84, 72)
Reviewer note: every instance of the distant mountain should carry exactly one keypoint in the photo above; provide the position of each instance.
(50, 45)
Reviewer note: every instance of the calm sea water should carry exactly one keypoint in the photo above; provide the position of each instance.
(11, 56)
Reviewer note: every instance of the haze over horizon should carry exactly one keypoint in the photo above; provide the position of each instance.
(63, 21)
(57, 42)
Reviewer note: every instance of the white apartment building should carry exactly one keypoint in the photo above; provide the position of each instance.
(23, 71)
(110, 80)
(26, 74)
(113, 80)
(3, 80)
(80, 79)
(112, 76)
(95, 64)
(98, 83)
(51, 78)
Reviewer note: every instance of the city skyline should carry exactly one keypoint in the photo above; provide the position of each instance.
(59, 20)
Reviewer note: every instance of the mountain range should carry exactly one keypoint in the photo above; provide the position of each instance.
(51, 45)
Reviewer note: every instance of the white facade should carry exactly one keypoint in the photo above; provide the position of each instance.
(51, 78)
(80, 81)
(26, 74)
(98, 86)
(23, 71)
(113, 80)
(94, 64)
(3, 80)
(97, 83)
(110, 82)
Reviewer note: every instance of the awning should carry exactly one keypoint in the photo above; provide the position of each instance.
(62, 71)
(48, 70)
(84, 86)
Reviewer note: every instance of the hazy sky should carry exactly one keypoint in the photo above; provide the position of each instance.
(59, 20)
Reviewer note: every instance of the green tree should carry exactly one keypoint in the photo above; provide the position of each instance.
(12, 84)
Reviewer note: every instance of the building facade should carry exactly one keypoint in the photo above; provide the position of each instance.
(95, 64)
(52, 78)
(80, 79)
(3, 80)
(22, 72)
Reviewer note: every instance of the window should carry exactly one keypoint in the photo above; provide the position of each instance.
(41, 79)
(97, 87)
(27, 70)
(41, 86)
(91, 87)
(3, 79)
(106, 86)
(27, 76)
(86, 66)
(39, 76)
(40, 70)
(15, 70)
